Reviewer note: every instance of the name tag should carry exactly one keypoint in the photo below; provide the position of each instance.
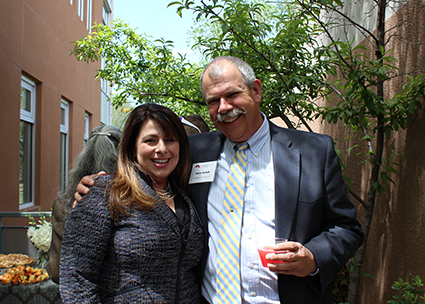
(203, 172)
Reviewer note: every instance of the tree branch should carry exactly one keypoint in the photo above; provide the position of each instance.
(368, 140)
(358, 198)
(357, 25)
(168, 95)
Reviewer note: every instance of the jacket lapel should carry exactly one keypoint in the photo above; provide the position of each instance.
(160, 207)
(167, 214)
(208, 148)
(286, 161)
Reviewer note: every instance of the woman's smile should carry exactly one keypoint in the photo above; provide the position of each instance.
(157, 153)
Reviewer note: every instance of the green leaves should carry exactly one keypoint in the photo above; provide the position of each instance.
(408, 292)
(142, 69)
(362, 105)
(277, 40)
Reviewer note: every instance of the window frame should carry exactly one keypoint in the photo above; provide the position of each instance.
(89, 14)
(106, 107)
(80, 9)
(28, 117)
(86, 128)
(64, 147)
(106, 12)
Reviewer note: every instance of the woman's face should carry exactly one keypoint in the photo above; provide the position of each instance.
(157, 154)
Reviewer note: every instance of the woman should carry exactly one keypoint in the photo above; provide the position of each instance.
(99, 154)
(136, 237)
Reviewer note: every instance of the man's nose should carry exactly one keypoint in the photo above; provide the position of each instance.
(224, 106)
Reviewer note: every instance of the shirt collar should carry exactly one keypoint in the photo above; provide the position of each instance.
(256, 141)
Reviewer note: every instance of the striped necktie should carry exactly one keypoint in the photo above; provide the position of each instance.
(228, 272)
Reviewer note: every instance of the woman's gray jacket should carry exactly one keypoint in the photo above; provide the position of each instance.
(140, 259)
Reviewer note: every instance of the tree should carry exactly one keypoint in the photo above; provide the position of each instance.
(281, 40)
(362, 105)
(142, 69)
(276, 40)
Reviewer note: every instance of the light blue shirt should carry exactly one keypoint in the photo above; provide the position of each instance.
(259, 284)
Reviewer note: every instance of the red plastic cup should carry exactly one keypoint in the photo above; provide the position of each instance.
(263, 250)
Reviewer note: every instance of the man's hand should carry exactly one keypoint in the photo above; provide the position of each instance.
(299, 260)
(82, 187)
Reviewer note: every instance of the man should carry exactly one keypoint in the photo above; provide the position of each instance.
(293, 189)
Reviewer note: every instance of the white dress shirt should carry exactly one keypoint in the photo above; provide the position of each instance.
(258, 283)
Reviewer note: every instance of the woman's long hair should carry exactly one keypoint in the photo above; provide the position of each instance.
(99, 154)
(125, 190)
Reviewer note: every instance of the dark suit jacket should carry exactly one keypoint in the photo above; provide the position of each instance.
(312, 206)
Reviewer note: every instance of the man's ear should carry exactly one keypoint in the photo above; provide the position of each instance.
(256, 91)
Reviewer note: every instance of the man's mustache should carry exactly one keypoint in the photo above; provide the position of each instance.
(233, 113)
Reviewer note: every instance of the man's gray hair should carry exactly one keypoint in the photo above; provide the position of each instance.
(217, 69)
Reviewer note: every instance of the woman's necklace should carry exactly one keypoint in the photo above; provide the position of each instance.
(166, 194)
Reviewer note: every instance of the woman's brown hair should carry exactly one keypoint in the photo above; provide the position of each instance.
(125, 190)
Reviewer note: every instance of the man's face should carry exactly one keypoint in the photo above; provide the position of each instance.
(228, 92)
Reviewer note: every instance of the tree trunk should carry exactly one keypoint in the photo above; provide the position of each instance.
(355, 275)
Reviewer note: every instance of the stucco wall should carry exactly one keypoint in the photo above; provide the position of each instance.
(396, 244)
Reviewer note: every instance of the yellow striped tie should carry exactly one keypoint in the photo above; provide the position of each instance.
(228, 270)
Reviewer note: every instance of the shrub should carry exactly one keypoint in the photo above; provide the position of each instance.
(409, 292)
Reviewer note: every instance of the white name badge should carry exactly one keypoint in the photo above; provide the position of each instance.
(203, 172)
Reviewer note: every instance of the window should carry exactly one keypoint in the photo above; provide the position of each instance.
(26, 144)
(106, 109)
(106, 16)
(89, 13)
(63, 156)
(80, 9)
(86, 129)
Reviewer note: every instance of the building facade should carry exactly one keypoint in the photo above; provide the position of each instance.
(50, 101)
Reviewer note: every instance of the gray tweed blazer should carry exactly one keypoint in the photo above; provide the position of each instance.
(141, 259)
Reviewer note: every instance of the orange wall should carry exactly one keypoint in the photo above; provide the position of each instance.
(36, 40)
